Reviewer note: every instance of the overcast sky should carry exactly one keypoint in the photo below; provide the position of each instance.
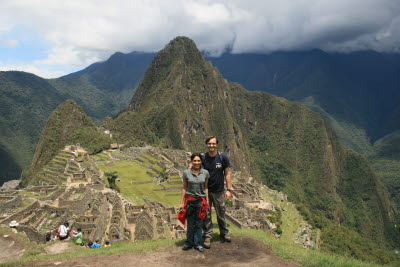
(54, 37)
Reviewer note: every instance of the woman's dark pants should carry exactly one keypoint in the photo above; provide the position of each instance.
(194, 225)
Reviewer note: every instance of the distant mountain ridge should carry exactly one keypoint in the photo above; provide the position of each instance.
(358, 93)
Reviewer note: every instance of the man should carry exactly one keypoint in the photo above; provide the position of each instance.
(217, 164)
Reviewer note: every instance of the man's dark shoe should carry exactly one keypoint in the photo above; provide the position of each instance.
(185, 247)
(200, 249)
(226, 239)
(207, 244)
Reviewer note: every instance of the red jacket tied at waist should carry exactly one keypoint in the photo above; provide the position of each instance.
(202, 212)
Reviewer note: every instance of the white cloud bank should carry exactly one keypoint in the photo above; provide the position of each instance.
(82, 32)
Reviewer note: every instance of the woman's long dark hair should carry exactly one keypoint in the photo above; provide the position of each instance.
(195, 155)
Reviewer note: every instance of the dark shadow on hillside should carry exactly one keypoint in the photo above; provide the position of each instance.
(9, 168)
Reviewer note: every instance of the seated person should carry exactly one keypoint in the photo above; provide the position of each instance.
(96, 244)
(63, 231)
(79, 237)
(13, 226)
(117, 238)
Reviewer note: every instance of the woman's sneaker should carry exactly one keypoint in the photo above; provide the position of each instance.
(200, 249)
(185, 247)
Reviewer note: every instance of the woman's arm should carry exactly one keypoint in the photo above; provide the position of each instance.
(185, 183)
(206, 190)
(76, 235)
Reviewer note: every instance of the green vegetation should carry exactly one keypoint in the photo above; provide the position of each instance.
(26, 101)
(67, 125)
(130, 172)
(385, 159)
(342, 240)
(111, 176)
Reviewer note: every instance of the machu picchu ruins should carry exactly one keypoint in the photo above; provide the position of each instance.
(72, 188)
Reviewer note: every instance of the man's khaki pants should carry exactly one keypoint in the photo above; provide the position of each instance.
(217, 200)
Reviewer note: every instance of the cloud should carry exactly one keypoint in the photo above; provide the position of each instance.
(8, 43)
(82, 32)
(32, 68)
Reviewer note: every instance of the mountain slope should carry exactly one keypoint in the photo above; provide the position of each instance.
(183, 98)
(105, 88)
(68, 124)
(25, 102)
(357, 93)
(385, 159)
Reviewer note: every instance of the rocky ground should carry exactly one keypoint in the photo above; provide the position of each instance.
(241, 252)
(10, 248)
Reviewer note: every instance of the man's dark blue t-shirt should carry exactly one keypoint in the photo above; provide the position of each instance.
(216, 169)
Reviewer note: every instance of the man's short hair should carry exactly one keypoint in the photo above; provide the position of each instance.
(211, 137)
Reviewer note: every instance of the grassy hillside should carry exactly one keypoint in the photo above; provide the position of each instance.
(385, 159)
(130, 173)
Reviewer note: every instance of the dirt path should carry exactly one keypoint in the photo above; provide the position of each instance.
(241, 252)
(10, 248)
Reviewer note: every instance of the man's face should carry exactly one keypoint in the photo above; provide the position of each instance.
(212, 145)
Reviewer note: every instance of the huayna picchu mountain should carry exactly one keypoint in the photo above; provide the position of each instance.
(183, 98)
(67, 124)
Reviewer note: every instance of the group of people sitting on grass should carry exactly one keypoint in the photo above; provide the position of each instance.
(64, 231)
(204, 187)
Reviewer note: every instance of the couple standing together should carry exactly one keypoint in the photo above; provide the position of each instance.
(203, 187)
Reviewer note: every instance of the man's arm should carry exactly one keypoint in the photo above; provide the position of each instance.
(206, 190)
(228, 193)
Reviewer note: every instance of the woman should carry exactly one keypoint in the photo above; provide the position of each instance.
(194, 202)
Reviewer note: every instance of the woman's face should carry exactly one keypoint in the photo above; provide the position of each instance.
(196, 163)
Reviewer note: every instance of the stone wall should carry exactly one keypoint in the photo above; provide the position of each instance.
(22, 214)
(145, 226)
(32, 234)
(79, 205)
(101, 222)
(10, 204)
(56, 194)
(117, 223)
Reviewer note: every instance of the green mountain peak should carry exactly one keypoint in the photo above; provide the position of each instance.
(67, 124)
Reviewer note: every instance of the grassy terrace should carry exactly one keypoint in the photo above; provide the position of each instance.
(128, 172)
(281, 249)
